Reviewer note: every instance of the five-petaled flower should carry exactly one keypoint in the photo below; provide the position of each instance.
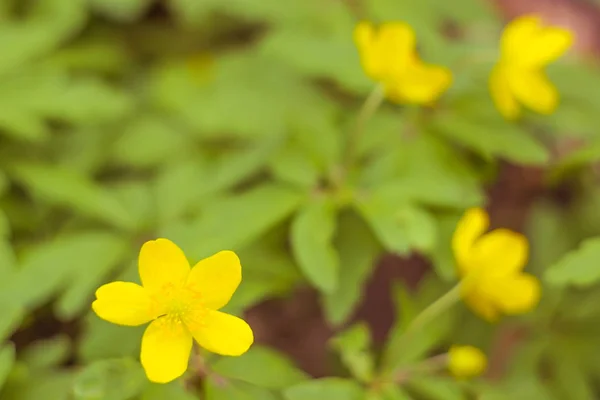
(466, 361)
(491, 265)
(388, 55)
(526, 47)
(182, 304)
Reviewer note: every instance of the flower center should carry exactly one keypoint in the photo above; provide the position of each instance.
(180, 302)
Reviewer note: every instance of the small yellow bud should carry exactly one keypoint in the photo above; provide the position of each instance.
(466, 361)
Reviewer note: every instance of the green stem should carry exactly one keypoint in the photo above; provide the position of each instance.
(434, 309)
(367, 110)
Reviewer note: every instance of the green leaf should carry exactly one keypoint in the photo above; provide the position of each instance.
(358, 249)
(101, 340)
(47, 353)
(325, 388)
(570, 379)
(8, 262)
(68, 188)
(171, 391)
(7, 360)
(55, 385)
(354, 347)
(48, 268)
(105, 254)
(319, 55)
(436, 388)
(401, 350)
(552, 235)
(251, 213)
(137, 197)
(118, 379)
(588, 154)
(218, 389)
(493, 139)
(89, 101)
(45, 27)
(121, 10)
(183, 185)
(442, 255)
(148, 141)
(275, 371)
(312, 234)
(578, 267)
(390, 392)
(11, 316)
(399, 226)
(293, 165)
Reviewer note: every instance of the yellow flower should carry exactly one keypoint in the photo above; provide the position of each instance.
(388, 55)
(518, 78)
(466, 361)
(182, 304)
(491, 265)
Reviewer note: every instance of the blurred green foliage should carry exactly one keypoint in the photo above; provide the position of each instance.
(222, 125)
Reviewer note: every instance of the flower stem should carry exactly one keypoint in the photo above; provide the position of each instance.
(367, 110)
(434, 309)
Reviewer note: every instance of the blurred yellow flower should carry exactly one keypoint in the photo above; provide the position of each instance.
(388, 55)
(491, 266)
(526, 47)
(466, 361)
(182, 304)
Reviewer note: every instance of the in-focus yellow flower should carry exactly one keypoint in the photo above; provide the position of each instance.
(526, 47)
(182, 304)
(388, 55)
(491, 266)
(466, 361)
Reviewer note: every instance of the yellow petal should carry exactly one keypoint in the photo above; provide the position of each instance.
(166, 347)
(526, 42)
(502, 94)
(386, 50)
(549, 44)
(216, 278)
(517, 295)
(466, 361)
(534, 90)
(162, 264)
(501, 252)
(472, 225)
(124, 303)
(420, 84)
(221, 333)
(396, 46)
(481, 305)
(518, 36)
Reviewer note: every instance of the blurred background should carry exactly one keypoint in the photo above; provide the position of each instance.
(220, 124)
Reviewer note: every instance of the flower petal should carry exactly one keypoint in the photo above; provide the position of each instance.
(466, 361)
(517, 295)
(502, 94)
(124, 303)
(221, 333)
(548, 45)
(501, 252)
(166, 347)
(517, 37)
(216, 278)
(162, 263)
(386, 50)
(396, 45)
(471, 226)
(481, 305)
(419, 83)
(526, 42)
(534, 90)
